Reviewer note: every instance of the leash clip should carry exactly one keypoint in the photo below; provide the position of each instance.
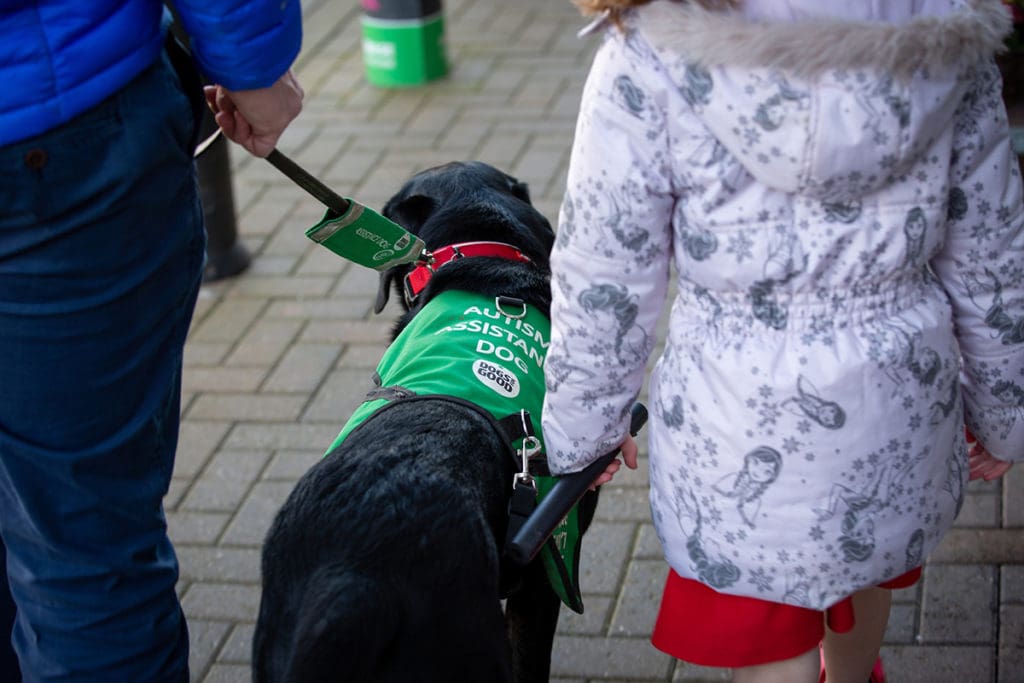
(529, 448)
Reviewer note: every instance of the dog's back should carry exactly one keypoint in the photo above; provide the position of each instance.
(384, 565)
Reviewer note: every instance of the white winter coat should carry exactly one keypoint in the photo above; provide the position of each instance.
(833, 183)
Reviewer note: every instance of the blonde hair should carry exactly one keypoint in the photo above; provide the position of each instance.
(615, 8)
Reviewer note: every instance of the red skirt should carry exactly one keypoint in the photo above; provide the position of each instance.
(699, 625)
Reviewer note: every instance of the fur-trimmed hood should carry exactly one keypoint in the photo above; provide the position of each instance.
(806, 38)
(835, 86)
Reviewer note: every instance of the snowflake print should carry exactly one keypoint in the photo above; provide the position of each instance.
(741, 246)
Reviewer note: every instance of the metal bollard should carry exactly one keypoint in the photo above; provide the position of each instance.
(403, 42)
(225, 255)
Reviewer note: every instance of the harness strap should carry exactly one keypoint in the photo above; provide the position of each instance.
(512, 427)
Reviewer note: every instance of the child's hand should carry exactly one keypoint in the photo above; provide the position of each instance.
(629, 453)
(982, 464)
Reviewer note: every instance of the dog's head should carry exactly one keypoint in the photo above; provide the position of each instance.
(466, 202)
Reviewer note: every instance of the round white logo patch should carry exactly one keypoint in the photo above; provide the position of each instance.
(496, 378)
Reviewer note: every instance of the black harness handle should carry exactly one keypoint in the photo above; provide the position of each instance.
(531, 536)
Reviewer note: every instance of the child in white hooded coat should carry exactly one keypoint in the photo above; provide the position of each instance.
(834, 186)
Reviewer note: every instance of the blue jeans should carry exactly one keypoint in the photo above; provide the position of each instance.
(101, 250)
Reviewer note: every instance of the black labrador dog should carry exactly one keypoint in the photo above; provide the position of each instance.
(384, 564)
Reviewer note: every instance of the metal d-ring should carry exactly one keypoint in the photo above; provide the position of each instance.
(509, 300)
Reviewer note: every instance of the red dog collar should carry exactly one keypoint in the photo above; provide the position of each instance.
(417, 279)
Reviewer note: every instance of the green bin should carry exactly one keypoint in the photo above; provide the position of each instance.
(403, 42)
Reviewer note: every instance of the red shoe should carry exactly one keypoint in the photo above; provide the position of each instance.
(877, 672)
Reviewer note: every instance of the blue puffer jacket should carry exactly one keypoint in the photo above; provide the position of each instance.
(61, 57)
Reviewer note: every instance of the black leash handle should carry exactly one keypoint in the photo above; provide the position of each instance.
(328, 197)
(566, 492)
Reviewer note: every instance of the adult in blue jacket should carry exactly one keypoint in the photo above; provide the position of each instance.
(101, 250)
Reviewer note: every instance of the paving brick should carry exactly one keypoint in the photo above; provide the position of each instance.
(352, 166)
(270, 286)
(175, 492)
(332, 308)
(911, 594)
(265, 407)
(219, 564)
(257, 512)
(290, 238)
(273, 264)
(1011, 643)
(1013, 498)
(204, 637)
(1011, 588)
(226, 480)
(238, 646)
(322, 261)
(691, 673)
(363, 356)
(291, 464)
(302, 368)
(902, 627)
(957, 604)
(592, 657)
(980, 510)
(196, 443)
(647, 544)
(973, 546)
(624, 503)
(222, 379)
(593, 621)
(196, 527)
(339, 395)
(273, 437)
(264, 343)
(938, 663)
(603, 557)
(205, 353)
(227, 319)
(464, 136)
(228, 673)
(637, 606)
(264, 215)
(376, 332)
(222, 601)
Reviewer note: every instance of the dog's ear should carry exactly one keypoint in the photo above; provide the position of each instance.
(384, 289)
(410, 212)
(519, 189)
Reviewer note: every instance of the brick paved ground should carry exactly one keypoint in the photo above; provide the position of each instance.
(278, 358)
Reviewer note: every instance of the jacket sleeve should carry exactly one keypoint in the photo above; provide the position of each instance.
(610, 260)
(982, 267)
(243, 44)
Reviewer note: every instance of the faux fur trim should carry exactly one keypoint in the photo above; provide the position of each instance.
(810, 47)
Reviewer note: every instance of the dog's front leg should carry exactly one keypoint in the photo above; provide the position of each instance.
(532, 616)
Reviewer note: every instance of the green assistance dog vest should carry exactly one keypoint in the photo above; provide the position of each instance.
(491, 353)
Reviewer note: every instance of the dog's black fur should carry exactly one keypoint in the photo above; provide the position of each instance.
(384, 563)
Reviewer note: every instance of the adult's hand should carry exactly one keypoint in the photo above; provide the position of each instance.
(256, 118)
